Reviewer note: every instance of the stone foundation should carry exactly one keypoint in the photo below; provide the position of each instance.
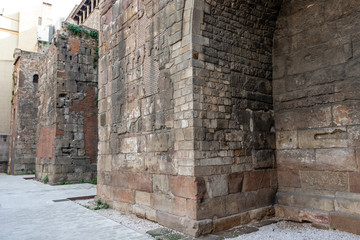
(67, 128)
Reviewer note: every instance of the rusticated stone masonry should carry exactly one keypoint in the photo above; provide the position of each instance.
(67, 117)
(24, 112)
(317, 112)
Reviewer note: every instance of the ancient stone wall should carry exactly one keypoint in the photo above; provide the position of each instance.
(235, 137)
(186, 132)
(67, 129)
(316, 99)
(24, 112)
(4, 152)
(144, 90)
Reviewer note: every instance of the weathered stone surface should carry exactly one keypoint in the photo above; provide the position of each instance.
(296, 159)
(22, 150)
(256, 180)
(346, 223)
(187, 187)
(337, 159)
(324, 180)
(289, 178)
(68, 106)
(235, 182)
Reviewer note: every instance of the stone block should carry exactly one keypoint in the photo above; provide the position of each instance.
(289, 178)
(129, 145)
(167, 204)
(161, 184)
(306, 201)
(210, 208)
(344, 222)
(354, 182)
(188, 187)
(256, 180)
(263, 158)
(235, 182)
(323, 138)
(296, 159)
(336, 159)
(123, 195)
(143, 198)
(303, 119)
(135, 181)
(347, 114)
(216, 185)
(286, 140)
(324, 180)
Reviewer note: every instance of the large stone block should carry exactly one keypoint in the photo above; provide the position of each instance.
(188, 187)
(324, 180)
(336, 159)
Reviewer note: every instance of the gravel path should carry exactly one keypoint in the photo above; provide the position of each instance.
(296, 231)
(282, 230)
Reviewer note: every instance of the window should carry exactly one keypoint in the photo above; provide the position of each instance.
(36, 78)
(40, 21)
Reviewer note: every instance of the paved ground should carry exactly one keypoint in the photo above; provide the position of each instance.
(27, 211)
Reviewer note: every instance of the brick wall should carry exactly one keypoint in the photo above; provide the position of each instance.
(67, 131)
(316, 99)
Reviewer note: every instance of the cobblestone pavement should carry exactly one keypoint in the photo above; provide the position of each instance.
(27, 211)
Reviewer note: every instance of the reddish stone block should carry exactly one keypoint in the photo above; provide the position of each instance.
(256, 180)
(58, 131)
(46, 143)
(235, 182)
(289, 178)
(354, 182)
(61, 74)
(188, 187)
(74, 45)
(347, 114)
(135, 181)
(88, 106)
(123, 195)
(347, 223)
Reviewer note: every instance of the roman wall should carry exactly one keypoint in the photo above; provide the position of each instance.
(67, 117)
(316, 100)
(186, 131)
(24, 112)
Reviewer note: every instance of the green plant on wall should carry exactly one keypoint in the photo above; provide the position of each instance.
(46, 179)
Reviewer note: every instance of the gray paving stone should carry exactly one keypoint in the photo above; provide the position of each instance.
(27, 212)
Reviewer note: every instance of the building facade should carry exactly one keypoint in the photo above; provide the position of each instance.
(17, 30)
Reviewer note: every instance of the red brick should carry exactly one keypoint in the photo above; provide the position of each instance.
(74, 45)
(46, 143)
(88, 106)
